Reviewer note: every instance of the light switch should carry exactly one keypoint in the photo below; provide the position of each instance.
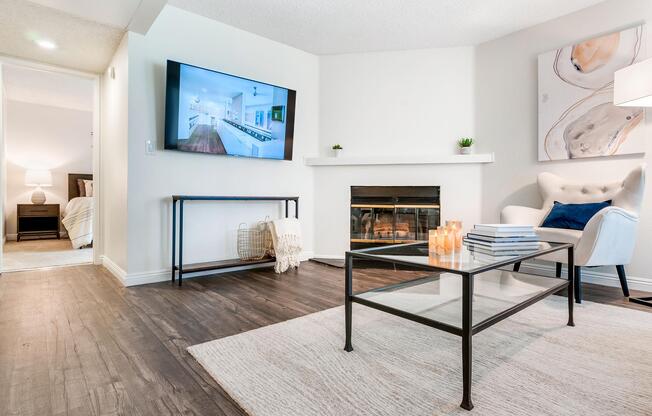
(150, 148)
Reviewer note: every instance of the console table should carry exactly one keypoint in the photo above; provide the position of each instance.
(222, 264)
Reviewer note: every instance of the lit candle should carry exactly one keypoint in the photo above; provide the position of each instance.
(432, 240)
(441, 240)
(449, 240)
(456, 229)
(458, 234)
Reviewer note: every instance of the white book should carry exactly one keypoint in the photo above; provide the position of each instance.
(499, 245)
(498, 250)
(493, 239)
(488, 233)
(491, 252)
(504, 227)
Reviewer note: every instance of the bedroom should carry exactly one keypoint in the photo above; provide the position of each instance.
(48, 186)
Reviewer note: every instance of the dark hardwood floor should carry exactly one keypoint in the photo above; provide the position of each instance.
(73, 341)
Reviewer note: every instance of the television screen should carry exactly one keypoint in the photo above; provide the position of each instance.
(212, 112)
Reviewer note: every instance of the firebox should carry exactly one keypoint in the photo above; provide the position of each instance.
(392, 214)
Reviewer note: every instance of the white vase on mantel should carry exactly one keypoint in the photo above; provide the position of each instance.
(466, 150)
(337, 152)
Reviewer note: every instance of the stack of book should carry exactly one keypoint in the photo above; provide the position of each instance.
(501, 239)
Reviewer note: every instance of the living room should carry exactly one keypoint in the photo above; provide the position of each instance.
(370, 96)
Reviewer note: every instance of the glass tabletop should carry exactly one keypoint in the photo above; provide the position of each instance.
(439, 298)
(460, 261)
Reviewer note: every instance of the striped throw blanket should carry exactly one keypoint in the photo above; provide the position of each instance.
(78, 220)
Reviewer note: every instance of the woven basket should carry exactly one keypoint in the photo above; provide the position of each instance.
(251, 242)
(267, 239)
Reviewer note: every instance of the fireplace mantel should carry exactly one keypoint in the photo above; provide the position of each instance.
(399, 160)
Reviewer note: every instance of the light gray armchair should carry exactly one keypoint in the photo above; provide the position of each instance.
(608, 238)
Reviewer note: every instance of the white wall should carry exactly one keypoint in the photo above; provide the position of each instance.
(3, 149)
(114, 154)
(396, 103)
(210, 227)
(44, 137)
(405, 103)
(506, 115)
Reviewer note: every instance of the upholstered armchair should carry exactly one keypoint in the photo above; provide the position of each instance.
(608, 238)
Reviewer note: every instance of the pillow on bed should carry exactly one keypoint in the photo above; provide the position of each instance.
(81, 188)
(88, 184)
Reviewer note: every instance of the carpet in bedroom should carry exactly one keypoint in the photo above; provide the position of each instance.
(34, 254)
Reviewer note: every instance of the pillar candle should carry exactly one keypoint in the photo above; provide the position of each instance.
(432, 240)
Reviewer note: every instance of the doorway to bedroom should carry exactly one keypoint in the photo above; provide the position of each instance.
(48, 208)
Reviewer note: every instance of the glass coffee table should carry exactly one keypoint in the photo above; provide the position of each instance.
(486, 295)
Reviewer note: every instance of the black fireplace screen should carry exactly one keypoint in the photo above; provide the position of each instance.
(392, 215)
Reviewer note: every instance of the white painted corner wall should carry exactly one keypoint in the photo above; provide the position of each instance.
(114, 116)
(404, 103)
(506, 119)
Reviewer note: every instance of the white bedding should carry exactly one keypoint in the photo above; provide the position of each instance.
(78, 220)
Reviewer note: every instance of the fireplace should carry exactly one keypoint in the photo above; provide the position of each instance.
(383, 215)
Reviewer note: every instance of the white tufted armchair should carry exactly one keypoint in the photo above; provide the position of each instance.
(608, 238)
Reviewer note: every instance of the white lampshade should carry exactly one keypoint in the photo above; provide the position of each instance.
(37, 177)
(633, 85)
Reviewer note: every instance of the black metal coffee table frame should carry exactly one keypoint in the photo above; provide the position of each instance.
(468, 329)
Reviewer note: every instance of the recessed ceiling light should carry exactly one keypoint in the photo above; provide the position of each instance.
(46, 44)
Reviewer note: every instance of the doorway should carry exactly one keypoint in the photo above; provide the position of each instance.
(49, 167)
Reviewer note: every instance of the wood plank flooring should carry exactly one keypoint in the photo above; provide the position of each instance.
(73, 341)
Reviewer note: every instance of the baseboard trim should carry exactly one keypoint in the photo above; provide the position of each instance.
(329, 256)
(164, 275)
(590, 275)
(114, 269)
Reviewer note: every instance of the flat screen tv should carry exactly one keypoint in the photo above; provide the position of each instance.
(212, 112)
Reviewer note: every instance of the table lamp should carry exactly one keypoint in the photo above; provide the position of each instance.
(633, 88)
(38, 178)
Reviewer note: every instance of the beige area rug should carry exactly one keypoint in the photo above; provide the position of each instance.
(35, 254)
(529, 364)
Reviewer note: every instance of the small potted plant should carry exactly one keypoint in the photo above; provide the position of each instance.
(466, 145)
(337, 149)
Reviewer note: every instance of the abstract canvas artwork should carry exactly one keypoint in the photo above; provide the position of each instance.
(577, 118)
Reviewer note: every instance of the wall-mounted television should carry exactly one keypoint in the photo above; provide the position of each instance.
(212, 112)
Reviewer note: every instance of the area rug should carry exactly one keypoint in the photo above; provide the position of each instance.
(529, 364)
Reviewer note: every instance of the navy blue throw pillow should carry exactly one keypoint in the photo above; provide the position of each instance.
(572, 216)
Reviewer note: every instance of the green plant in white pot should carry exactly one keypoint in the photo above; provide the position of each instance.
(337, 149)
(466, 145)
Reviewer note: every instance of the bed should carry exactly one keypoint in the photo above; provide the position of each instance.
(78, 214)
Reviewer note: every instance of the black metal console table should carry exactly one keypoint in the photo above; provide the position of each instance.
(222, 264)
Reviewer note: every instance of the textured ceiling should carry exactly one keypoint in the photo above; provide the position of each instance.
(117, 13)
(83, 44)
(342, 26)
(89, 31)
(47, 88)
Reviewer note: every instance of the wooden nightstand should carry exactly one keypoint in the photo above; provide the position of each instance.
(38, 220)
